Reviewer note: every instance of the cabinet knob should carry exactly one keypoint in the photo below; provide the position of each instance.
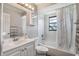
(22, 50)
(25, 48)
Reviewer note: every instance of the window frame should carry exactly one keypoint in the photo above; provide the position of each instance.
(52, 23)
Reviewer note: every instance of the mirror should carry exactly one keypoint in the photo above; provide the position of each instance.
(16, 22)
(12, 21)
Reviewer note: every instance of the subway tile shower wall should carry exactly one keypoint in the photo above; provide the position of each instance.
(32, 30)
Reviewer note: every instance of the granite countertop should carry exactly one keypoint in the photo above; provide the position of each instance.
(9, 44)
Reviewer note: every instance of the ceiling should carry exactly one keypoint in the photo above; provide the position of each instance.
(43, 5)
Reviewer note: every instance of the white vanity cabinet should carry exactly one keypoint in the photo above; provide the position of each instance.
(27, 49)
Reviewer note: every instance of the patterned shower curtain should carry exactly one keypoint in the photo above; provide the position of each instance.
(65, 27)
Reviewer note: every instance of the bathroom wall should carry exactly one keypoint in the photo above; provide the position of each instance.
(15, 17)
(40, 28)
(77, 29)
(0, 28)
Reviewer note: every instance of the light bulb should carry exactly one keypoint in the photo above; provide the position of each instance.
(29, 6)
(23, 3)
(26, 5)
(32, 8)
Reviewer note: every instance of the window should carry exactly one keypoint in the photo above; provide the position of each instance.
(53, 23)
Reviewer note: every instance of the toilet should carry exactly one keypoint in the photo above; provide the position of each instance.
(40, 49)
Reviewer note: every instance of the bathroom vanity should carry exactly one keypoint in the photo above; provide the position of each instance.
(22, 47)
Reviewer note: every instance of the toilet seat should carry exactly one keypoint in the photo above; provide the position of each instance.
(41, 48)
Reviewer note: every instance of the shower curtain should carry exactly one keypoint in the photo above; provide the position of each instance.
(65, 27)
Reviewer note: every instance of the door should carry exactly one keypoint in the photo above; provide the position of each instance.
(6, 24)
(27, 51)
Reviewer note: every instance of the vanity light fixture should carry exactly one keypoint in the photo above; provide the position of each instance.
(29, 6)
(26, 5)
(32, 8)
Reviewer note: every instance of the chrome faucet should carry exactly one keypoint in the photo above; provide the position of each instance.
(15, 39)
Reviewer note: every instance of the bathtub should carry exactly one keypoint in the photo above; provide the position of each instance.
(54, 51)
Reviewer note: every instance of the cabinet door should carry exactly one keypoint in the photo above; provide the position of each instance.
(25, 52)
(30, 50)
(22, 52)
